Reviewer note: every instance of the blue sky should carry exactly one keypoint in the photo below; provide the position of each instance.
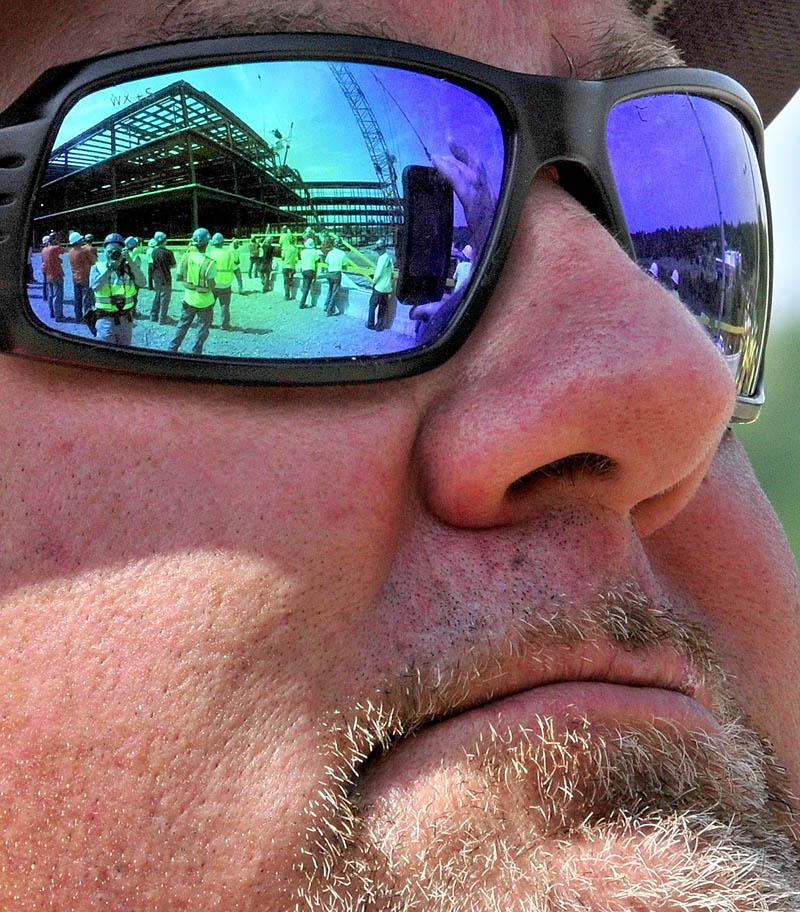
(664, 183)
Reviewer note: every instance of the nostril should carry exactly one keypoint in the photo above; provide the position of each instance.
(584, 464)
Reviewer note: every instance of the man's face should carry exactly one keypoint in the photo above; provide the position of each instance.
(508, 635)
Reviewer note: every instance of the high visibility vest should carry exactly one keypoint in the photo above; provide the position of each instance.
(120, 287)
(223, 257)
(196, 269)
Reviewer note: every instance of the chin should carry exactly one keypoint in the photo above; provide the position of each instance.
(555, 816)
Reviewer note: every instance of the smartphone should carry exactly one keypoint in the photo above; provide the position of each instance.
(426, 238)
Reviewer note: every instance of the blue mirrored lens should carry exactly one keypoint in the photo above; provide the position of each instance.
(297, 168)
(691, 193)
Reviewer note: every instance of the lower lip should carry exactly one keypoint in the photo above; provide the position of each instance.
(597, 702)
(601, 704)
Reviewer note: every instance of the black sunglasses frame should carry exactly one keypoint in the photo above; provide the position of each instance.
(545, 120)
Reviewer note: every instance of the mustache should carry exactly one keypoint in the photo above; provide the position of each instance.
(417, 696)
(621, 620)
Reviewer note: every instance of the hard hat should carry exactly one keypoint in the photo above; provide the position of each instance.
(200, 236)
(75, 237)
(217, 239)
(159, 237)
(88, 238)
(309, 242)
(114, 238)
(46, 239)
(131, 242)
(469, 252)
(152, 243)
(380, 245)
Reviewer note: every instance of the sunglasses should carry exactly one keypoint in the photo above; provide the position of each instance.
(376, 182)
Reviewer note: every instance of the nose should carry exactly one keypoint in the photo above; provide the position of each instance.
(584, 378)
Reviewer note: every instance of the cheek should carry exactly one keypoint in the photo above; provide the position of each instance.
(728, 553)
(98, 478)
(180, 571)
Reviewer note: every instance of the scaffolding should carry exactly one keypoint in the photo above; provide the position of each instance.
(172, 160)
(360, 211)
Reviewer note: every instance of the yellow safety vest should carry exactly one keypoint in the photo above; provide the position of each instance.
(223, 257)
(122, 289)
(195, 268)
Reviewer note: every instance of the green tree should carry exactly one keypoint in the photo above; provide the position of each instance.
(773, 442)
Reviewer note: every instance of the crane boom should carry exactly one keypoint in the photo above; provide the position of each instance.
(374, 140)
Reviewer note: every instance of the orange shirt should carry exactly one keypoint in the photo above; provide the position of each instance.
(51, 261)
(81, 260)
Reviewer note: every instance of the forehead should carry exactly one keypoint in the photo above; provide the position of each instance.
(538, 36)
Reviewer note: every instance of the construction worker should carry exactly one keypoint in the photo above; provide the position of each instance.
(161, 266)
(131, 245)
(53, 271)
(197, 271)
(255, 257)
(115, 287)
(237, 262)
(290, 254)
(82, 257)
(223, 257)
(334, 262)
(309, 257)
(265, 264)
(381, 289)
(45, 289)
(151, 246)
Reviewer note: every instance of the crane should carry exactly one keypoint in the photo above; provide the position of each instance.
(382, 159)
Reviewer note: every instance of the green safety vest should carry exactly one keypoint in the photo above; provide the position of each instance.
(223, 257)
(123, 287)
(195, 268)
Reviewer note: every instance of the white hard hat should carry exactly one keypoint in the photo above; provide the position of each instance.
(75, 237)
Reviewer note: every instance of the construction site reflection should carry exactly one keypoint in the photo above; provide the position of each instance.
(293, 168)
(266, 319)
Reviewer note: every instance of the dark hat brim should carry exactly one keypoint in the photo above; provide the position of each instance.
(757, 42)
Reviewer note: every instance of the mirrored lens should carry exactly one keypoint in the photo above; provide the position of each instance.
(690, 188)
(233, 211)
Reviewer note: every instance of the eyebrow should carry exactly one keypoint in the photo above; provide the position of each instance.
(618, 46)
(282, 16)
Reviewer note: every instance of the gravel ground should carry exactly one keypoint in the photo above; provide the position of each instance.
(264, 325)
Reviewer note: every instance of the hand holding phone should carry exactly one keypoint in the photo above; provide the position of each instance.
(426, 238)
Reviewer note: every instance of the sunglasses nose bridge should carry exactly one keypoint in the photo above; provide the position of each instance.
(561, 128)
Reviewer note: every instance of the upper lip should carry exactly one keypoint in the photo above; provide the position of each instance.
(586, 662)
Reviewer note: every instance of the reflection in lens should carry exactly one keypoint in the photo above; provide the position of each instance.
(690, 190)
(293, 168)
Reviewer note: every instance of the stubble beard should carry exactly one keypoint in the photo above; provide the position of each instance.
(557, 816)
